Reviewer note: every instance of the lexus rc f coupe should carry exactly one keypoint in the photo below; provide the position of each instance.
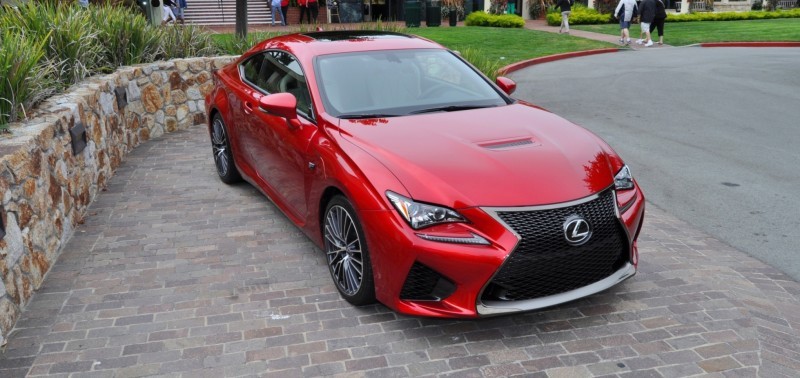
(427, 187)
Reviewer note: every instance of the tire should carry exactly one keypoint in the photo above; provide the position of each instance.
(346, 252)
(223, 155)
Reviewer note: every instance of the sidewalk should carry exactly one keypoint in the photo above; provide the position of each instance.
(541, 25)
(177, 274)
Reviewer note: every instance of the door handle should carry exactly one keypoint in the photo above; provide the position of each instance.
(248, 108)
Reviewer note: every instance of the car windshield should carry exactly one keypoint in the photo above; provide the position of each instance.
(390, 83)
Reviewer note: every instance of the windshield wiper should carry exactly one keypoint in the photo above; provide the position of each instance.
(363, 116)
(451, 108)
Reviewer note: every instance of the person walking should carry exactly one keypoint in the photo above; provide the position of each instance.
(285, 11)
(275, 7)
(658, 21)
(313, 9)
(303, 4)
(648, 11)
(566, 9)
(179, 11)
(624, 12)
(166, 9)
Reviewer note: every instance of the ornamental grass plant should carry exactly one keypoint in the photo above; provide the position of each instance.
(23, 74)
(489, 67)
(49, 45)
(185, 41)
(127, 37)
(71, 44)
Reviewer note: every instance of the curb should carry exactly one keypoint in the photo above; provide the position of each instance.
(550, 58)
(750, 44)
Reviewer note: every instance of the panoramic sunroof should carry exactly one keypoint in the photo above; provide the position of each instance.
(346, 35)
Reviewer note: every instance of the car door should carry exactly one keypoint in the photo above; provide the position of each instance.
(241, 101)
(280, 149)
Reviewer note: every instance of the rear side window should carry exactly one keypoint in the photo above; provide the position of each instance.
(278, 72)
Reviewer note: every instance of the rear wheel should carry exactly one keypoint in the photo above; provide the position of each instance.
(223, 155)
(347, 253)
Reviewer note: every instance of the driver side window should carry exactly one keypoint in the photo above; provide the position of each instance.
(278, 72)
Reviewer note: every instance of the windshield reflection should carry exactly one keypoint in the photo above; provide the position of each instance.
(400, 82)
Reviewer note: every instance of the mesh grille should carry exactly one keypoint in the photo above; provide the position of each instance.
(424, 283)
(544, 264)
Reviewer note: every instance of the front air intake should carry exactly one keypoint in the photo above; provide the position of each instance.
(425, 284)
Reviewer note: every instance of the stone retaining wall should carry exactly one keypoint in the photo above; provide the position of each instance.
(46, 189)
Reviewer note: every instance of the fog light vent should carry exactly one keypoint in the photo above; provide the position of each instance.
(426, 284)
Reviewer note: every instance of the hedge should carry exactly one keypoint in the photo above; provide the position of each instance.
(494, 20)
(580, 15)
(583, 16)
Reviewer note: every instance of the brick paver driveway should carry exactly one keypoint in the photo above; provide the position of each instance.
(175, 273)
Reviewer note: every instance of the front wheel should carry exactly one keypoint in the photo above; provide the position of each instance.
(347, 253)
(223, 155)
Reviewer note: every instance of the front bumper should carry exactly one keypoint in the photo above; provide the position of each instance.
(465, 271)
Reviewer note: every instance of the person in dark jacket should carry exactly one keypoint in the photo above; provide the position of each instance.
(566, 8)
(648, 11)
(658, 21)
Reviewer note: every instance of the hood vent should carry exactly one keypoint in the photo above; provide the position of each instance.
(507, 144)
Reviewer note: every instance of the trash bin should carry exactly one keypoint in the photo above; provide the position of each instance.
(433, 13)
(412, 13)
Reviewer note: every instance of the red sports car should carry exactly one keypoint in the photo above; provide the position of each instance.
(427, 187)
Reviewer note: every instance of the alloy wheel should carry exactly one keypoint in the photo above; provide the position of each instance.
(343, 250)
(219, 143)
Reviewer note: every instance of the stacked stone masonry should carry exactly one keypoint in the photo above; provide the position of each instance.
(46, 190)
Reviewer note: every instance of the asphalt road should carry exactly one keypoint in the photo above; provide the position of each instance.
(711, 134)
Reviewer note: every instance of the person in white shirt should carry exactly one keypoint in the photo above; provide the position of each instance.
(625, 11)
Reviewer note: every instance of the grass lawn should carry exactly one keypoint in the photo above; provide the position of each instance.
(509, 45)
(505, 45)
(687, 33)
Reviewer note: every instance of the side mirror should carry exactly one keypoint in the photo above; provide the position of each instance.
(279, 104)
(506, 84)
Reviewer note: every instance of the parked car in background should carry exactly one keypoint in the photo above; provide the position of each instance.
(425, 184)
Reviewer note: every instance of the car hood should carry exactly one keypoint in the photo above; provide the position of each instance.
(514, 155)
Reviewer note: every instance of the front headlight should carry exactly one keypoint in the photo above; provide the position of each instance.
(623, 180)
(421, 215)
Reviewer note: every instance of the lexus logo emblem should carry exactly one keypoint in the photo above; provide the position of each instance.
(577, 230)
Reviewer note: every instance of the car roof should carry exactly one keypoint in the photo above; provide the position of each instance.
(312, 44)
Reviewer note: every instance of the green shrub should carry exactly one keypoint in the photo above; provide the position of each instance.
(494, 20)
(127, 37)
(733, 16)
(584, 16)
(70, 39)
(77, 43)
(23, 76)
(185, 41)
(580, 15)
(488, 66)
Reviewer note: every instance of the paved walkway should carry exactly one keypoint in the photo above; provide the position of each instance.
(541, 25)
(177, 274)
